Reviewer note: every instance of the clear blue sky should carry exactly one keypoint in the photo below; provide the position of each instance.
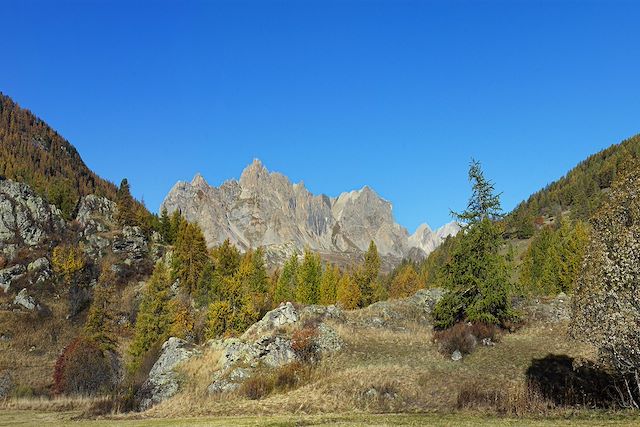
(398, 95)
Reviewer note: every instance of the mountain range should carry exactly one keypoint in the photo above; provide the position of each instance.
(265, 209)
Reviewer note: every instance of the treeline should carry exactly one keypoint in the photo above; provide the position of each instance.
(580, 191)
(33, 153)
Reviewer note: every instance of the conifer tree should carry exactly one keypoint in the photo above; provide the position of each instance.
(126, 212)
(175, 222)
(405, 283)
(227, 259)
(368, 276)
(348, 293)
(329, 285)
(165, 225)
(286, 286)
(190, 256)
(100, 326)
(309, 275)
(476, 276)
(154, 317)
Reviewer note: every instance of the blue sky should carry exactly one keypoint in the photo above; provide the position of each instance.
(397, 95)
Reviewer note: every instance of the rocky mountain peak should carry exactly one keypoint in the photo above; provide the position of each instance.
(265, 208)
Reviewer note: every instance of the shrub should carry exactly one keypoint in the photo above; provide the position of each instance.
(67, 260)
(458, 337)
(303, 343)
(290, 376)
(83, 369)
(257, 387)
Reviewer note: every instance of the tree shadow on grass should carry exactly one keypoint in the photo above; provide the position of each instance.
(567, 383)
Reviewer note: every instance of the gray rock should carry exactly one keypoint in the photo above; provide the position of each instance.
(9, 275)
(327, 340)
(39, 264)
(25, 218)
(132, 242)
(274, 319)
(96, 214)
(163, 381)
(230, 381)
(456, 355)
(96, 246)
(275, 351)
(265, 209)
(25, 300)
(6, 384)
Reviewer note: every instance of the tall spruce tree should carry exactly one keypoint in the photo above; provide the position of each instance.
(476, 276)
(286, 286)
(190, 256)
(100, 326)
(126, 212)
(329, 285)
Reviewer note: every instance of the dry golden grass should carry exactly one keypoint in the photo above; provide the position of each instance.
(380, 371)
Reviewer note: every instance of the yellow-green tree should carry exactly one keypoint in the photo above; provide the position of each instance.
(348, 293)
(309, 275)
(126, 208)
(154, 317)
(190, 256)
(367, 276)
(286, 285)
(100, 326)
(68, 260)
(405, 283)
(329, 285)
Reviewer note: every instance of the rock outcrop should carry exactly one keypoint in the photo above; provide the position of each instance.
(26, 219)
(163, 381)
(265, 209)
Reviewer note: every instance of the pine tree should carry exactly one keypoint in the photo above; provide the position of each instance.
(175, 222)
(308, 281)
(125, 214)
(227, 259)
(286, 286)
(100, 326)
(190, 256)
(477, 276)
(348, 293)
(165, 226)
(329, 285)
(368, 276)
(154, 317)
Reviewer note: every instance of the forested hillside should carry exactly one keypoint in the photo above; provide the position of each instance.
(34, 153)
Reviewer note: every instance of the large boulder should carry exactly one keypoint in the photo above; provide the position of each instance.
(25, 218)
(25, 300)
(164, 381)
(284, 315)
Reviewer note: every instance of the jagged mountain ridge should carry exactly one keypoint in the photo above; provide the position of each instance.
(266, 209)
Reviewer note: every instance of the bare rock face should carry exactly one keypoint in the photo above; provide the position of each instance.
(96, 214)
(428, 240)
(265, 209)
(25, 218)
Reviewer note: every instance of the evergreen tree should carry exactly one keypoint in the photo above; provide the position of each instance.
(405, 283)
(329, 285)
(154, 317)
(477, 276)
(165, 226)
(286, 285)
(348, 293)
(190, 256)
(126, 212)
(175, 223)
(309, 275)
(367, 277)
(100, 326)
(227, 259)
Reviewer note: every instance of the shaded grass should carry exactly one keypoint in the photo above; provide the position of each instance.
(28, 418)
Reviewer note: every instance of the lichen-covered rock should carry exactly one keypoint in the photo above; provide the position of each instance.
(25, 218)
(327, 340)
(96, 214)
(10, 275)
(229, 381)
(163, 381)
(132, 243)
(275, 351)
(25, 300)
(274, 319)
(6, 383)
(39, 264)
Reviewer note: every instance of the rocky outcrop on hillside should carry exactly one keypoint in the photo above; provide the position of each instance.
(26, 219)
(266, 209)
